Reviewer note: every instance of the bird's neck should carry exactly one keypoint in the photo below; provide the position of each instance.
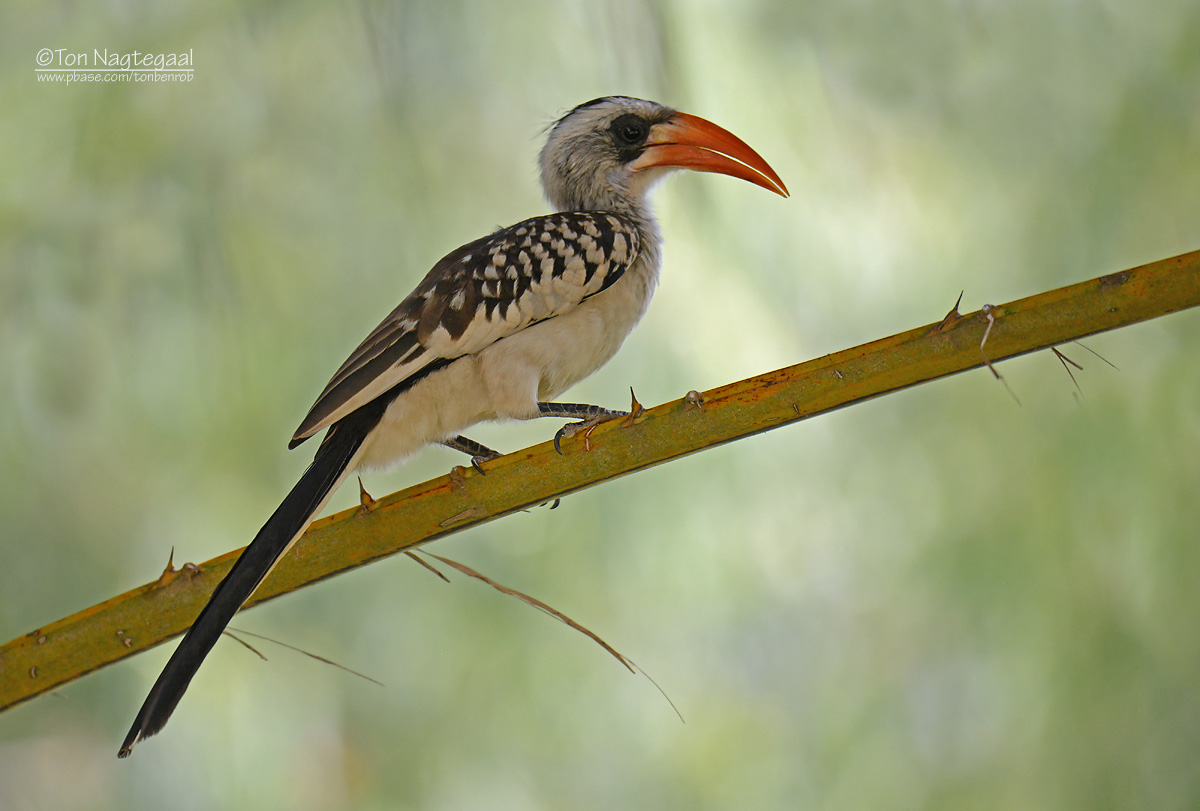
(635, 211)
(642, 218)
(567, 192)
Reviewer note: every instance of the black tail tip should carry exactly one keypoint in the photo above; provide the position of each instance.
(131, 740)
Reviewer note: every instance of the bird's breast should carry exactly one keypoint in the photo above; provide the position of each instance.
(544, 360)
(583, 340)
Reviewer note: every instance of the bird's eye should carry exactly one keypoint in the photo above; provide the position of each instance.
(630, 130)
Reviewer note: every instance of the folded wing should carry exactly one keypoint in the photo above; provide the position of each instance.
(479, 294)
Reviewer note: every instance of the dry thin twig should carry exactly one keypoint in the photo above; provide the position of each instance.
(532, 601)
(529, 600)
(427, 565)
(988, 311)
(1064, 360)
(319, 658)
(244, 644)
(1097, 354)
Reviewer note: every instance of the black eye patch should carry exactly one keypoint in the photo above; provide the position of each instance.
(630, 131)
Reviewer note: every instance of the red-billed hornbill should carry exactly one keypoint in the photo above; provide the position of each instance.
(497, 330)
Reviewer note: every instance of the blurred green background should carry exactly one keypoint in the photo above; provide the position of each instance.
(939, 599)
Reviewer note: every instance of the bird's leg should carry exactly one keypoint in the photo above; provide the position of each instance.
(590, 416)
(479, 453)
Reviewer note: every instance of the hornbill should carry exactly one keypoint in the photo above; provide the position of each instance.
(497, 330)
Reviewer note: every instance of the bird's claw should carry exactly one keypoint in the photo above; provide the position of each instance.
(587, 426)
(561, 432)
(478, 459)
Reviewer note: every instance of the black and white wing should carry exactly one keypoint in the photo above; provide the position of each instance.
(479, 294)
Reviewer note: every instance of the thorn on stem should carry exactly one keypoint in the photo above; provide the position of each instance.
(458, 477)
(364, 498)
(951, 318)
(635, 409)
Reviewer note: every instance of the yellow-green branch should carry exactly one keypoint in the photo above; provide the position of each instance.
(72, 647)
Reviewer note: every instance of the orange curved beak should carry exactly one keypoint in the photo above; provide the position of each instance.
(691, 142)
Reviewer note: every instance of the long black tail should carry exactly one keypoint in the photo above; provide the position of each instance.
(272, 541)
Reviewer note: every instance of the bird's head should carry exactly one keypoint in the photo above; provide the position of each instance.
(608, 152)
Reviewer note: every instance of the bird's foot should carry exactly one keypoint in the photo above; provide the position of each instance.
(592, 416)
(586, 426)
(478, 452)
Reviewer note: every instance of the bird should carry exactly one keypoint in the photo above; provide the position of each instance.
(497, 330)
